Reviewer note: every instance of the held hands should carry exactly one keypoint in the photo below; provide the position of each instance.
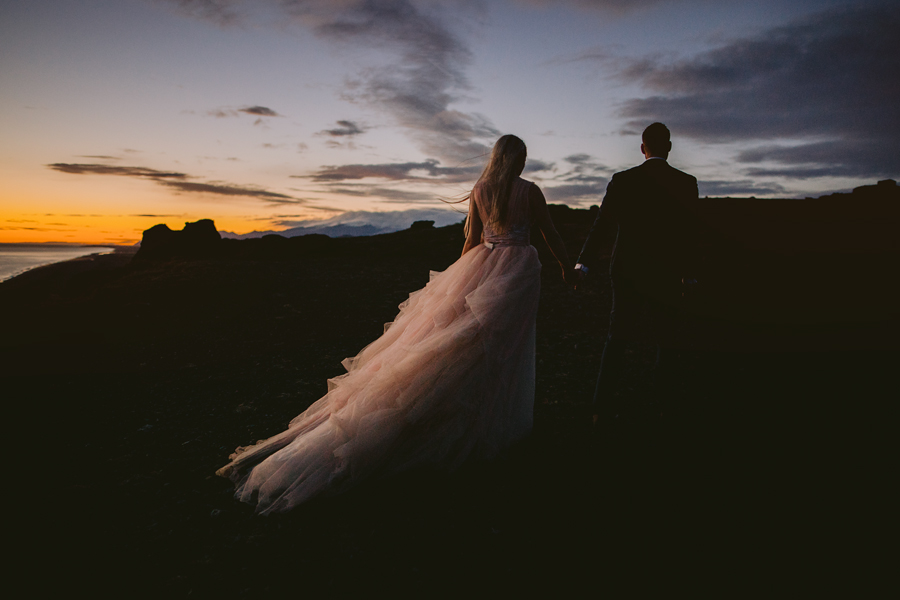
(688, 286)
(579, 277)
(572, 276)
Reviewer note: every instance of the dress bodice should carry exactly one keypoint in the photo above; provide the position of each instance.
(519, 231)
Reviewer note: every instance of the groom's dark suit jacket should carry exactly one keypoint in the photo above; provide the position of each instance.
(656, 240)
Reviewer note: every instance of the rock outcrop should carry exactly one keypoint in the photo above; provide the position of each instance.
(197, 240)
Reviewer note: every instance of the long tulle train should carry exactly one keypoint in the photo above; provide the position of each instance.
(452, 378)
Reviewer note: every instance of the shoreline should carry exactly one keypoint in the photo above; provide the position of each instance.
(62, 267)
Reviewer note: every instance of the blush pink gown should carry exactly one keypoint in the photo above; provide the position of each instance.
(451, 379)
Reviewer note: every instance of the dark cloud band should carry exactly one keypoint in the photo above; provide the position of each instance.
(825, 87)
(176, 181)
(221, 189)
(95, 169)
(430, 169)
(425, 78)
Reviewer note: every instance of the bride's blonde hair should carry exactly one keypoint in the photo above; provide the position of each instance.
(505, 164)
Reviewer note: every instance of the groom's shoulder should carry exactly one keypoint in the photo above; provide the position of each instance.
(682, 174)
(683, 179)
(627, 173)
(656, 169)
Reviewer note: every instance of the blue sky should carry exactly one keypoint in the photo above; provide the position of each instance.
(263, 114)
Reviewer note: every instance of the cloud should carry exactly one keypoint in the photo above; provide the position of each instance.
(177, 181)
(574, 193)
(221, 12)
(585, 169)
(344, 128)
(585, 180)
(613, 6)
(741, 188)
(423, 80)
(385, 194)
(424, 77)
(534, 165)
(815, 159)
(342, 135)
(94, 169)
(598, 181)
(429, 170)
(221, 113)
(22, 228)
(223, 189)
(338, 179)
(821, 91)
(260, 111)
(225, 112)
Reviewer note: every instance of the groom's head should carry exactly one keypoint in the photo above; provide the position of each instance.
(656, 141)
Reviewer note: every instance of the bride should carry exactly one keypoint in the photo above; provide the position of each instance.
(451, 379)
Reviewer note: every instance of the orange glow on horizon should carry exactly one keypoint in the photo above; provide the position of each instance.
(101, 230)
(52, 208)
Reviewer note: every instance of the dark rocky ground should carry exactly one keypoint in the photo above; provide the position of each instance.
(130, 382)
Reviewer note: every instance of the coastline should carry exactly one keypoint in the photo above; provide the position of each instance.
(65, 269)
(52, 254)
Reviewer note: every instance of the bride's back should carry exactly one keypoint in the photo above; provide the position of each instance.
(518, 213)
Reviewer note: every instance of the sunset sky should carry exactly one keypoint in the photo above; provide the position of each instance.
(116, 115)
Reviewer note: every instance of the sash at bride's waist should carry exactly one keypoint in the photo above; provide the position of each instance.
(495, 242)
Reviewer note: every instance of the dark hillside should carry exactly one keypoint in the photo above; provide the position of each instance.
(131, 381)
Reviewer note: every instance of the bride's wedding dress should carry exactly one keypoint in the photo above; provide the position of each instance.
(452, 378)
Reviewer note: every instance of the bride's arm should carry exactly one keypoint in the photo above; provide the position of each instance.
(474, 227)
(548, 230)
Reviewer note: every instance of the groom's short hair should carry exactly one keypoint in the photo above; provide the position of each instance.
(656, 138)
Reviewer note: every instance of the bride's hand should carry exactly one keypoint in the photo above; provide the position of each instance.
(577, 277)
(571, 276)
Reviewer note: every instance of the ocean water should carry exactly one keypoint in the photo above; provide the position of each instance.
(15, 259)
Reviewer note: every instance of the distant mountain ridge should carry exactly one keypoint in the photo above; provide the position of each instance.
(329, 230)
(357, 223)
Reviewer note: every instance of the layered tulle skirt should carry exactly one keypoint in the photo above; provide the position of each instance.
(451, 379)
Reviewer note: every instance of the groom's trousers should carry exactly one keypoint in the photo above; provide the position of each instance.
(633, 311)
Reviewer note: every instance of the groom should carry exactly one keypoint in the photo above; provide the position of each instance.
(651, 258)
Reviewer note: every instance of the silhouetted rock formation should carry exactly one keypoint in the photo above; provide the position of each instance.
(202, 240)
(885, 189)
(198, 239)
